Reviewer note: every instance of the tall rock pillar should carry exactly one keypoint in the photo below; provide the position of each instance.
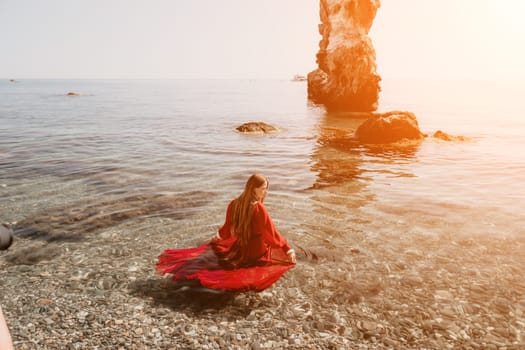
(346, 78)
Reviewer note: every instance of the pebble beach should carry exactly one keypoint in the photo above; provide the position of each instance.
(387, 293)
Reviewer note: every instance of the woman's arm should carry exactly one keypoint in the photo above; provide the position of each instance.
(265, 225)
(225, 230)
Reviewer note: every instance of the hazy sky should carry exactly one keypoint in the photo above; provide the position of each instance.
(475, 39)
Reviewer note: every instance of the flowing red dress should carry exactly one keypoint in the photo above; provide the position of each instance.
(220, 264)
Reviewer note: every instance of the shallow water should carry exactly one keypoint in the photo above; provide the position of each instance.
(124, 145)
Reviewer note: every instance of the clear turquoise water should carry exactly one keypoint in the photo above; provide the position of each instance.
(126, 137)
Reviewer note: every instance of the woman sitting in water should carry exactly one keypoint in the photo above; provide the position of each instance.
(247, 254)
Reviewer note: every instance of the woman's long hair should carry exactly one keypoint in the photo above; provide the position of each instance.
(242, 210)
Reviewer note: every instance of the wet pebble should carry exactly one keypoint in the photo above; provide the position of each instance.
(105, 296)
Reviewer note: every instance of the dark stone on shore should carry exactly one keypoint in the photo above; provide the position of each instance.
(6, 237)
(389, 127)
(257, 128)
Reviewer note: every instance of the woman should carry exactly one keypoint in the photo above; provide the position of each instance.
(247, 254)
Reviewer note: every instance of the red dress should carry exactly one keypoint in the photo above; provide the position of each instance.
(220, 264)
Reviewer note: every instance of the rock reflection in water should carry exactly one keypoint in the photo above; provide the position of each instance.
(344, 169)
(336, 158)
(340, 160)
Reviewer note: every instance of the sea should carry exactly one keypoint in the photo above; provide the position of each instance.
(145, 139)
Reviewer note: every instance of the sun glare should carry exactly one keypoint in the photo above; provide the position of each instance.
(508, 14)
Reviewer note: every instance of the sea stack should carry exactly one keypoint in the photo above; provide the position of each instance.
(346, 78)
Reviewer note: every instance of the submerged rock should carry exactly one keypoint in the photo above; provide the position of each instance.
(257, 128)
(446, 137)
(389, 127)
(34, 254)
(72, 223)
(346, 78)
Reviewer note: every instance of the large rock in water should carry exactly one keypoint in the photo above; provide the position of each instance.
(346, 79)
(388, 128)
